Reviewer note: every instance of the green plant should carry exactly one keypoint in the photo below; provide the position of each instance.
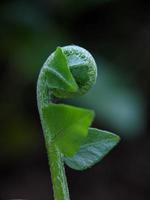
(68, 72)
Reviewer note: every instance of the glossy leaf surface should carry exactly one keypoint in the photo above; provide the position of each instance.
(97, 144)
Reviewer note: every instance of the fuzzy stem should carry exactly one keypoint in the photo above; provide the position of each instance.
(58, 176)
(55, 158)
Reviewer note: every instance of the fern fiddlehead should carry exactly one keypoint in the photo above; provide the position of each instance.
(68, 72)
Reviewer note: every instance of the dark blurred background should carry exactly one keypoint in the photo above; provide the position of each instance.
(117, 33)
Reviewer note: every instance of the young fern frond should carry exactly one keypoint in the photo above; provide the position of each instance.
(68, 72)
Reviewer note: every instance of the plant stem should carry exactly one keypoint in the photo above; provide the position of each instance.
(55, 157)
(58, 176)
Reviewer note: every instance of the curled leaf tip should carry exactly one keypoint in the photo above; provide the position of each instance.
(74, 71)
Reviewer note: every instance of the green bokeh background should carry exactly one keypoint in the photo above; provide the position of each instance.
(117, 33)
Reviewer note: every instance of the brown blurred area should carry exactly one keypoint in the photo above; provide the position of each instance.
(117, 33)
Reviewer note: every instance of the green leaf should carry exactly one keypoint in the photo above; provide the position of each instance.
(58, 74)
(68, 126)
(97, 144)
